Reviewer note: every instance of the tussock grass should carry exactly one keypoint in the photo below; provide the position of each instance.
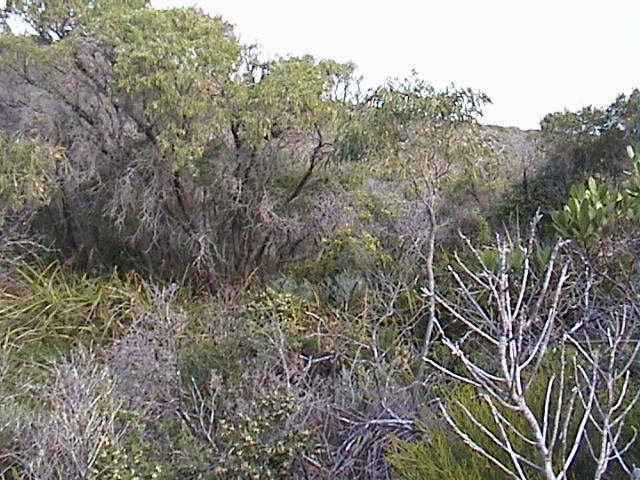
(52, 306)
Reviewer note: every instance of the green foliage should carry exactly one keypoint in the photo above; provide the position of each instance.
(586, 143)
(276, 307)
(631, 187)
(591, 140)
(467, 398)
(51, 306)
(192, 81)
(257, 445)
(590, 211)
(51, 20)
(401, 112)
(474, 226)
(441, 455)
(27, 169)
(198, 360)
(126, 459)
(574, 147)
(54, 20)
(162, 106)
(347, 250)
(290, 94)
(162, 447)
(597, 212)
(174, 64)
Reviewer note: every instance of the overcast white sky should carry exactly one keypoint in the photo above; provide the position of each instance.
(530, 57)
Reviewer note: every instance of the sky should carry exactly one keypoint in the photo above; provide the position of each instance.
(530, 57)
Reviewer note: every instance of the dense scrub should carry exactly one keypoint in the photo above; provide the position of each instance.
(219, 266)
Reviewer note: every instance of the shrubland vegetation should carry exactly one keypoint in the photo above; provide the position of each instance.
(216, 265)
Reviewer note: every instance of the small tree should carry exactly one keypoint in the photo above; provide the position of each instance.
(514, 305)
(185, 151)
(431, 136)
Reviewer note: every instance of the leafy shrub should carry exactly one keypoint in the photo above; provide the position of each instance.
(259, 444)
(27, 180)
(589, 213)
(127, 458)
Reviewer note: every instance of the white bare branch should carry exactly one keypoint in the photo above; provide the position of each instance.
(512, 317)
